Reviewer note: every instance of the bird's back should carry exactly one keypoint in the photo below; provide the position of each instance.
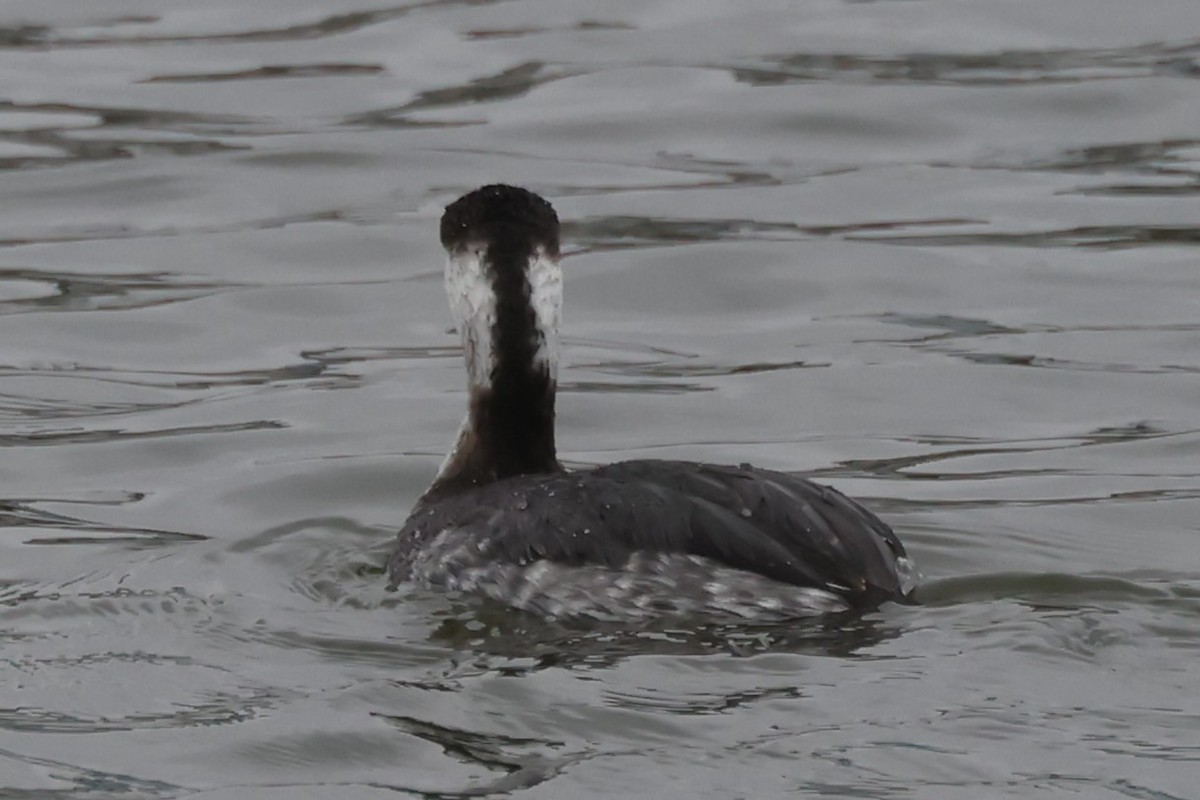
(666, 524)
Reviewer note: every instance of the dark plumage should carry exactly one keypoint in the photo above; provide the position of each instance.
(502, 217)
(770, 523)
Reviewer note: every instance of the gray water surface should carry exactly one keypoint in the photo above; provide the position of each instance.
(941, 254)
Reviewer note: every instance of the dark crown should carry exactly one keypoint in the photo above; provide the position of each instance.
(500, 215)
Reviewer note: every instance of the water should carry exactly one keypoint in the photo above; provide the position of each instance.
(940, 254)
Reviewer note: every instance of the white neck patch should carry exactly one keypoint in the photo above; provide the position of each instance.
(545, 294)
(473, 303)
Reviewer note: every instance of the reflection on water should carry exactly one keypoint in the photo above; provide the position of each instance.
(943, 257)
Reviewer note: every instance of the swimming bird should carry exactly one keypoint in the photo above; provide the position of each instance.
(629, 540)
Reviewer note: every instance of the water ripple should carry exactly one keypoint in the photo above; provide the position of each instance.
(62, 291)
(42, 37)
(1004, 68)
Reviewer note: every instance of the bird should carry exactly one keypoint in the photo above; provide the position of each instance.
(624, 541)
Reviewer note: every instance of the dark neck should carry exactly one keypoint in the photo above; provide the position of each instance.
(509, 428)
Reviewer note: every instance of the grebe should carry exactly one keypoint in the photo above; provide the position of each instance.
(634, 539)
